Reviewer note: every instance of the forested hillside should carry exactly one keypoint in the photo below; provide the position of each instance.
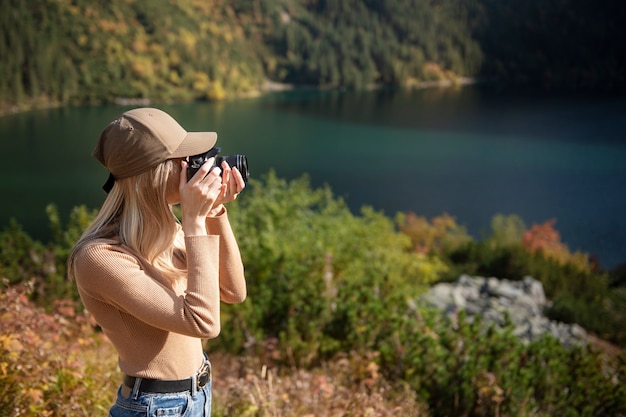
(57, 52)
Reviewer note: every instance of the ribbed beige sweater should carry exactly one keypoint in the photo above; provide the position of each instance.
(156, 326)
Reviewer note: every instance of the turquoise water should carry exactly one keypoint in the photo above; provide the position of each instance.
(472, 153)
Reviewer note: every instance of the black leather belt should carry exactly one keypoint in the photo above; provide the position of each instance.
(164, 386)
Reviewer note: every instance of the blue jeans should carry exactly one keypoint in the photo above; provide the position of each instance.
(183, 404)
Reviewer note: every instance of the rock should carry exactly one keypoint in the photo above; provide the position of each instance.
(534, 289)
(524, 301)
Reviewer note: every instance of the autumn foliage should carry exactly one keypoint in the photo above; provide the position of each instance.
(52, 364)
(546, 239)
(438, 234)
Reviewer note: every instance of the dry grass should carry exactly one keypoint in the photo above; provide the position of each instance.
(349, 386)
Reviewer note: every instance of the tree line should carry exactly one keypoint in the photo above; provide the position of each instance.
(58, 52)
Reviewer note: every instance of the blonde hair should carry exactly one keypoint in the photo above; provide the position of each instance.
(137, 213)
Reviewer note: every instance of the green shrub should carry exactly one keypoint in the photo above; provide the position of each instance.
(43, 266)
(319, 277)
(20, 256)
(324, 283)
(469, 369)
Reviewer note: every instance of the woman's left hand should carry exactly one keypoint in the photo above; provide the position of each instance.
(231, 177)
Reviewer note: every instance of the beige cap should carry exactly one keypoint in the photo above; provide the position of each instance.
(142, 138)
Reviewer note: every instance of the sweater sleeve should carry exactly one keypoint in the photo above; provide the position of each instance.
(112, 275)
(232, 280)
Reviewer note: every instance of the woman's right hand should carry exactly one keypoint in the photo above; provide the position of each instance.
(198, 196)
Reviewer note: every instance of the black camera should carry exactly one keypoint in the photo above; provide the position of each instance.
(234, 161)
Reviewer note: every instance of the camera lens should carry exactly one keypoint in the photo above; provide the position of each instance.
(237, 161)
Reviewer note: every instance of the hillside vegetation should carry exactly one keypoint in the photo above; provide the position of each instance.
(59, 52)
(334, 305)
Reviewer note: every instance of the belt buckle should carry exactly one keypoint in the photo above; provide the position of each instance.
(204, 376)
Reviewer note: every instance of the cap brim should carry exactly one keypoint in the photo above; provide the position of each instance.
(195, 143)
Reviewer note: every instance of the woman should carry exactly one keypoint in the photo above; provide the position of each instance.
(152, 283)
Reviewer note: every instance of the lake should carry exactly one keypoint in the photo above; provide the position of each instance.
(472, 152)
